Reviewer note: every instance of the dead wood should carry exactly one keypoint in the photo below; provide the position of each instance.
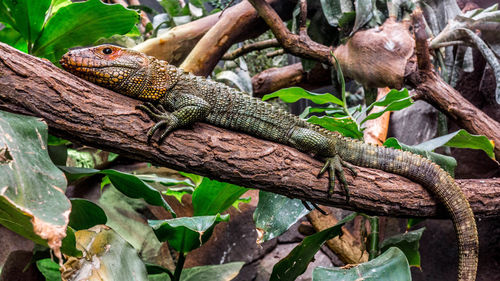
(83, 112)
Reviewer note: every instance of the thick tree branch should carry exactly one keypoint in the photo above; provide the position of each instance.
(273, 79)
(82, 112)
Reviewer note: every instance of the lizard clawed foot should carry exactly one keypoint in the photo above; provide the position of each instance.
(335, 165)
(306, 204)
(165, 120)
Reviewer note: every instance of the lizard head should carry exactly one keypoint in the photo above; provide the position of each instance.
(125, 71)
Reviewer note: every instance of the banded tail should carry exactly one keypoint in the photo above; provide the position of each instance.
(432, 177)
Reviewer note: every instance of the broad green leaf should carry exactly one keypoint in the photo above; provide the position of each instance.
(344, 126)
(32, 200)
(408, 243)
(460, 139)
(276, 213)
(178, 192)
(396, 105)
(187, 233)
(296, 262)
(49, 269)
(196, 179)
(124, 216)
(220, 272)
(294, 94)
(28, 16)
(334, 10)
(69, 244)
(128, 184)
(394, 100)
(212, 197)
(85, 214)
(448, 163)
(363, 13)
(106, 256)
(11, 37)
(81, 24)
(236, 204)
(390, 266)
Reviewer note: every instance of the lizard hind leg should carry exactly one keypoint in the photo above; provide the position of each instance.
(335, 166)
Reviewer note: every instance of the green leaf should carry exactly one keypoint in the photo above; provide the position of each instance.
(107, 256)
(49, 269)
(390, 266)
(85, 214)
(334, 10)
(296, 262)
(220, 272)
(69, 244)
(81, 24)
(128, 184)
(344, 126)
(28, 16)
(53, 140)
(187, 233)
(394, 100)
(276, 213)
(32, 200)
(363, 13)
(413, 221)
(213, 197)
(460, 139)
(196, 179)
(10, 36)
(294, 94)
(408, 243)
(446, 162)
(236, 204)
(178, 192)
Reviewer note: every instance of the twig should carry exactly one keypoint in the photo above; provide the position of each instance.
(251, 47)
(300, 45)
(275, 53)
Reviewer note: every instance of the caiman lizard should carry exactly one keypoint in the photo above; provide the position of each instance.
(177, 99)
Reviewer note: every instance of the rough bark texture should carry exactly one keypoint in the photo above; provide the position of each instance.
(82, 112)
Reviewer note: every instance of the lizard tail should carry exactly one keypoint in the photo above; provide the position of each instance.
(432, 177)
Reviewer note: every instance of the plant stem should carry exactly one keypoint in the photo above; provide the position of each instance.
(373, 238)
(179, 266)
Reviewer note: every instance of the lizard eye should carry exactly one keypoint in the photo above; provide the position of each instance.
(107, 51)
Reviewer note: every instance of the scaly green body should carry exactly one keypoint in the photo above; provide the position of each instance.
(177, 99)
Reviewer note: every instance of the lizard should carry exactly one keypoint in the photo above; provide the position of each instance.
(177, 99)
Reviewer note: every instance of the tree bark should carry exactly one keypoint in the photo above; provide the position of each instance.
(83, 112)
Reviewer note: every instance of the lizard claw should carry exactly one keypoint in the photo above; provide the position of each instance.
(335, 165)
(164, 118)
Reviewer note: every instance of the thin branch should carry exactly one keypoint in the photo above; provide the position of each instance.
(275, 53)
(300, 45)
(245, 49)
(83, 112)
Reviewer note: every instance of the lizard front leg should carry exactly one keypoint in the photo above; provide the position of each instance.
(187, 110)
